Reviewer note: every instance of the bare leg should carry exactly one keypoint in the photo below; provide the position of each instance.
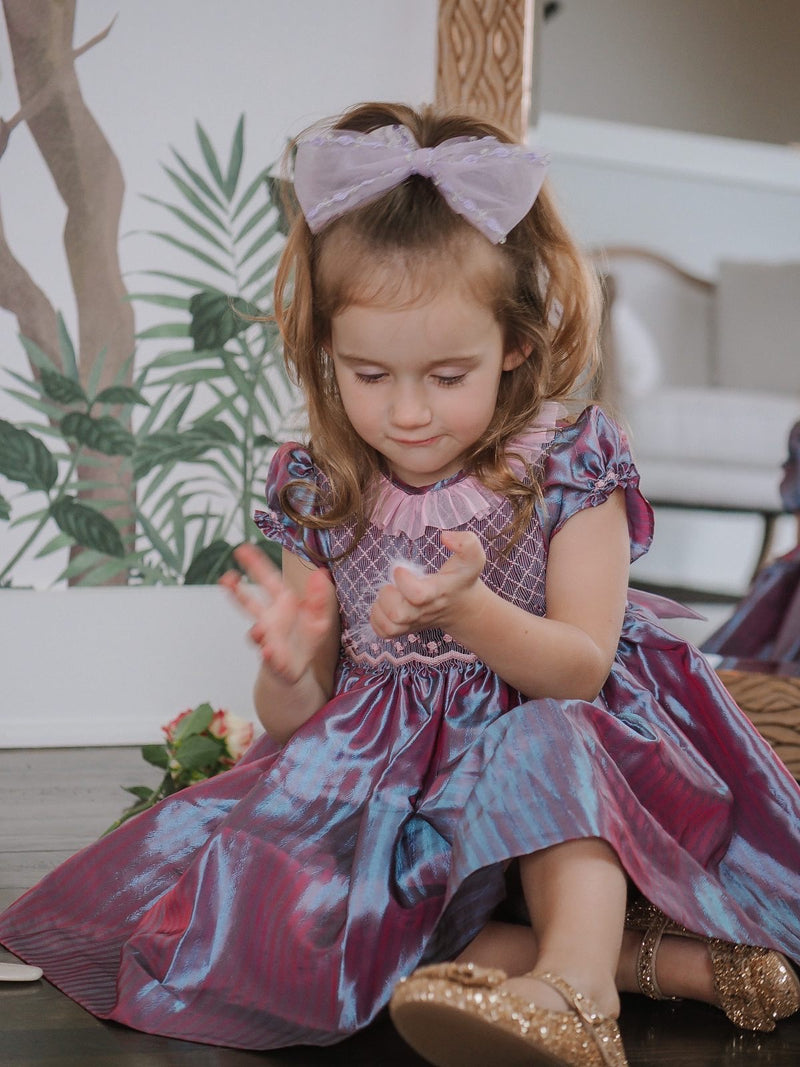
(683, 967)
(506, 946)
(576, 894)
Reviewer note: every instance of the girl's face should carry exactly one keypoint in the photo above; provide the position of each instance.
(419, 379)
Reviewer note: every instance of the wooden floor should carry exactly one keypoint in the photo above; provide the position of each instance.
(55, 801)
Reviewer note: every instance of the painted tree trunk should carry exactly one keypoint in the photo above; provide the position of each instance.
(90, 182)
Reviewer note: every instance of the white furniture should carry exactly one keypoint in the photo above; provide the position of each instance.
(705, 374)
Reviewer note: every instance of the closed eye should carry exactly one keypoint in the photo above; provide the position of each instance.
(370, 379)
(447, 380)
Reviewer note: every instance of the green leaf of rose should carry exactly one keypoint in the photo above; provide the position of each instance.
(194, 723)
(198, 751)
(140, 791)
(24, 458)
(156, 755)
(87, 527)
(5, 508)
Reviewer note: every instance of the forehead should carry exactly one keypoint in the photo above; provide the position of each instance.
(440, 327)
(351, 274)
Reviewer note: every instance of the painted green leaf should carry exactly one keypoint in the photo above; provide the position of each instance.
(67, 349)
(164, 330)
(64, 390)
(5, 508)
(235, 161)
(252, 222)
(198, 752)
(163, 300)
(256, 184)
(168, 447)
(216, 319)
(87, 527)
(210, 564)
(24, 458)
(209, 155)
(96, 371)
(194, 723)
(102, 434)
(197, 178)
(192, 251)
(37, 355)
(214, 430)
(156, 755)
(191, 223)
(281, 194)
(121, 394)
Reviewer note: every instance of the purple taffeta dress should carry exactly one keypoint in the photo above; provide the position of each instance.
(280, 902)
(763, 633)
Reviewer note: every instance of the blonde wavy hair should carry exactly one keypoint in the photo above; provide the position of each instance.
(541, 290)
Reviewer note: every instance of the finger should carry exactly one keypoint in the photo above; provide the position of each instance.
(251, 604)
(380, 624)
(230, 579)
(415, 590)
(391, 613)
(259, 568)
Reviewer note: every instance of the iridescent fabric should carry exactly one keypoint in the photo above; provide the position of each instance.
(763, 633)
(280, 902)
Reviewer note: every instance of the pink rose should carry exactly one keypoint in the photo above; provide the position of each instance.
(236, 732)
(172, 726)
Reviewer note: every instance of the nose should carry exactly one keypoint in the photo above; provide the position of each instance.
(410, 407)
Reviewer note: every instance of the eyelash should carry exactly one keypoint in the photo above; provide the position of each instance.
(445, 383)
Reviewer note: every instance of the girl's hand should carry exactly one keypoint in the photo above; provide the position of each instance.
(289, 629)
(412, 603)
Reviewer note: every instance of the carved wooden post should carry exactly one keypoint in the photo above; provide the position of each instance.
(485, 59)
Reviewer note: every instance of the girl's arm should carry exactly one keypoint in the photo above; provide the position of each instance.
(296, 626)
(568, 653)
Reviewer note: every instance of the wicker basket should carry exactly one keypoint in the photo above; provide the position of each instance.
(773, 705)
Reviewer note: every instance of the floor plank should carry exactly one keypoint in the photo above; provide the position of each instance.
(56, 801)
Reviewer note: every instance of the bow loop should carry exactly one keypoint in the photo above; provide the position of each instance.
(491, 184)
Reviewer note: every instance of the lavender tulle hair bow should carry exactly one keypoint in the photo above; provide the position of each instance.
(491, 184)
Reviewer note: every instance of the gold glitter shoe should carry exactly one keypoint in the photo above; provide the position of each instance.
(755, 985)
(458, 1015)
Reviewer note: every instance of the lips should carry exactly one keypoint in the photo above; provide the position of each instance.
(417, 444)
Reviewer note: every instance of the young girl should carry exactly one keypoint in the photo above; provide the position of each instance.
(455, 689)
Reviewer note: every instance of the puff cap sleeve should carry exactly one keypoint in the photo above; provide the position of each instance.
(587, 461)
(292, 463)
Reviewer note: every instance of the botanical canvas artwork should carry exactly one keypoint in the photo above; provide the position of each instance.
(134, 451)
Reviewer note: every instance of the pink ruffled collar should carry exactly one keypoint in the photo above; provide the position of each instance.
(459, 499)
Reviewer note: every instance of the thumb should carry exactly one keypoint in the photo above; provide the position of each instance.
(466, 548)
